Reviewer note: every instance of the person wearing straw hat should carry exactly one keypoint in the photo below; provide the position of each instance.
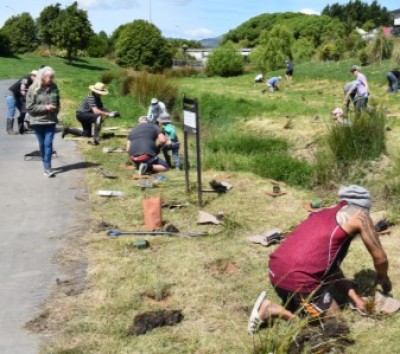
(172, 143)
(156, 108)
(305, 268)
(16, 99)
(91, 111)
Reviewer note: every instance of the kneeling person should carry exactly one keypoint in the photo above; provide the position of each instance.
(143, 144)
(172, 142)
(91, 111)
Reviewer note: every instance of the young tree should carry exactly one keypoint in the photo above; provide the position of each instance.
(356, 13)
(46, 22)
(22, 33)
(141, 46)
(72, 30)
(225, 61)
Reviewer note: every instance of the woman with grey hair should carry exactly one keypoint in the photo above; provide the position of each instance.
(43, 105)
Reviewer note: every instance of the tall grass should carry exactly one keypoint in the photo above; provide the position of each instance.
(364, 140)
(142, 86)
(265, 156)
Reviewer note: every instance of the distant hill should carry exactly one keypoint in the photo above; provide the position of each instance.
(210, 42)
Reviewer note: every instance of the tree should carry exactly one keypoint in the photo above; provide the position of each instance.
(368, 26)
(356, 13)
(225, 61)
(141, 46)
(5, 45)
(46, 24)
(22, 33)
(72, 30)
(99, 45)
(303, 49)
(115, 35)
(332, 50)
(275, 46)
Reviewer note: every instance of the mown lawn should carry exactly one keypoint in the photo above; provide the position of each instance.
(213, 280)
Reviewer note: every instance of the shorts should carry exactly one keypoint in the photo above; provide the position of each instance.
(289, 72)
(313, 305)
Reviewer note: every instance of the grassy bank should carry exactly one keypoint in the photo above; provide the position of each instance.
(213, 280)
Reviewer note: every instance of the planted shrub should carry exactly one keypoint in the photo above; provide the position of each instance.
(364, 140)
(225, 61)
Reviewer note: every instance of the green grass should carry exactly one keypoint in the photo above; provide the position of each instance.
(73, 81)
(365, 140)
(245, 135)
(264, 156)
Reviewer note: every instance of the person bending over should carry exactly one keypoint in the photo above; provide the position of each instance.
(306, 266)
(143, 145)
(393, 77)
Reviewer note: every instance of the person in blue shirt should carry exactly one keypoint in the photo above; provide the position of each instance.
(172, 143)
(273, 83)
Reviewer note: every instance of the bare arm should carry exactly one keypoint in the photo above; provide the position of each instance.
(161, 139)
(357, 220)
(128, 145)
(102, 112)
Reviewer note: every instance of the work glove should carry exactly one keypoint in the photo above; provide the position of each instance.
(114, 114)
(385, 283)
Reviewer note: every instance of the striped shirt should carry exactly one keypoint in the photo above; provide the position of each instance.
(90, 102)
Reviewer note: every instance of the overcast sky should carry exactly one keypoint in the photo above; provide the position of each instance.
(190, 19)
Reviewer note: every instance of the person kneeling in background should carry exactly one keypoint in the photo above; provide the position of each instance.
(172, 142)
(393, 78)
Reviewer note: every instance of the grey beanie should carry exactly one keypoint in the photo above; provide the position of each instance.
(355, 195)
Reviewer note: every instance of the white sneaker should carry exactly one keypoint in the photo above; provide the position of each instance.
(49, 173)
(142, 168)
(255, 320)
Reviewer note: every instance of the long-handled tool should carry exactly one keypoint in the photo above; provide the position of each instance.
(117, 233)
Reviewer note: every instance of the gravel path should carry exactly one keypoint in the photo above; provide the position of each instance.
(37, 215)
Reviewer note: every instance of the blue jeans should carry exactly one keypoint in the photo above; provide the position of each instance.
(45, 135)
(361, 102)
(393, 83)
(174, 147)
(13, 104)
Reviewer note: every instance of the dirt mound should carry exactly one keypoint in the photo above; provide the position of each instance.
(222, 267)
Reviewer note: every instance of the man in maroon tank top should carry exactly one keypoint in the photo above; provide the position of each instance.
(306, 265)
